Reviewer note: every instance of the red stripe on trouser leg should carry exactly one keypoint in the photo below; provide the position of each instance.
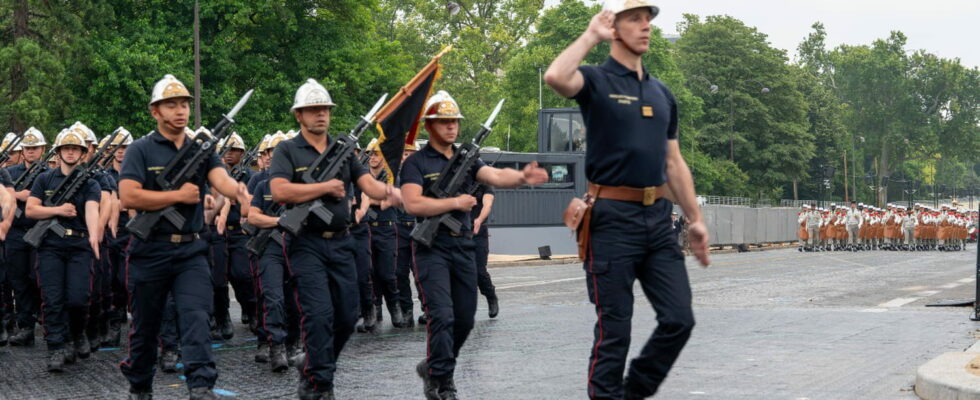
(595, 350)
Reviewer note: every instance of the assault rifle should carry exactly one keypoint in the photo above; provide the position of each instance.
(63, 193)
(450, 183)
(238, 171)
(326, 167)
(5, 155)
(181, 169)
(26, 180)
(371, 215)
(258, 242)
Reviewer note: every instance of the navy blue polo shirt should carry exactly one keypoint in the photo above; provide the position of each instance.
(106, 184)
(292, 158)
(235, 213)
(424, 167)
(628, 123)
(256, 179)
(262, 198)
(387, 215)
(5, 180)
(113, 176)
(146, 158)
(22, 222)
(481, 190)
(48, 181)
(400, 212)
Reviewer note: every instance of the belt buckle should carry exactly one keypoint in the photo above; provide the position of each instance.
(68, 232)
(374, 224)
(328, 235)
(175, 238)
(649, 195)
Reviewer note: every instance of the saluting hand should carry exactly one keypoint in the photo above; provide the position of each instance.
(697, 236)
(189, 193)
(534, 175)
(465, 202)
(67, 210)
(601, 26)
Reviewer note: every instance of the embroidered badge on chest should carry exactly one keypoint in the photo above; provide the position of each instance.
(647, 111)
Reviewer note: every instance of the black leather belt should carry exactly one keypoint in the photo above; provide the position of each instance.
(231, 227)
(331, 234)
(382, 223)
(75, 233)
(175, 238)
(465, 234)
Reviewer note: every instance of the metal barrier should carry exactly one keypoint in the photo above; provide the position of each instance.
(729, 225)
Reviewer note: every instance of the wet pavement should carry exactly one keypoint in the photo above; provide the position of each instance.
(771, 325)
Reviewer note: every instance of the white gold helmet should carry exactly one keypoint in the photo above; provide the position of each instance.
(124, 138)
(71, 137)
(618, 6)
(86, 132)
(264, 143)
(442, 106)
(169, 88)
(311, 94)
(277, 138)
(33, 138)
(7, 140)
(235, 141)
(200, 130)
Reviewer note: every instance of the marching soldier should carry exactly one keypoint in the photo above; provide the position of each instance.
(801, 220)
(279, 317)
(383, 244)
(406, 222)
(117, 244)
(361, 238)
(813, 221)
(7, 206)
(237, 265)
(173, 259)
(853, 222)
(633, 158)
(20, 255)
(481, 237)
(65, 264)
(321, 257)
(447, 270)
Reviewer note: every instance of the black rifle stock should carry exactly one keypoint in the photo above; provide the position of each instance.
(63, 193)
(26, 180)
(182, 169)
(451, 183)
(260, 239)
(326, 167)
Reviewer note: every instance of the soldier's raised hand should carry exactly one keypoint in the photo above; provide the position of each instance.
(601, 26)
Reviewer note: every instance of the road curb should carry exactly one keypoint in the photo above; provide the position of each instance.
(946, 377)
(533, 262)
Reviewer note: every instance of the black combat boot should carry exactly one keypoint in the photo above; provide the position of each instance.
(24, 337)
(408, 317)
(397, 319)
(3, 336)
(56, 361)
(369, 320)
(227, 329)
(447, 389)
(140, 395)
(168, 361)
(203, 393)
(378, 315)
(493, 306)
(262, 353)
(82, 347)
(305, 391)
(430, 388)
(277, 357)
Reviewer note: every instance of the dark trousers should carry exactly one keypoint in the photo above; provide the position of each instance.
(483, 281)
(404, 264)
(326, 287)
(219, 271)
(116, 256)
(65, 270)
(361, 238)
(22, 278)
(383, 255)
(447, 276)
(169, 338)
(240, 271)
(278, 317)
(101, 293)
(157, 269)
(631, 242)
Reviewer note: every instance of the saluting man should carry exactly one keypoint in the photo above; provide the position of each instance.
(632, 160)
(447, 270)
(173, 259)
(65, 265)
(321, 257)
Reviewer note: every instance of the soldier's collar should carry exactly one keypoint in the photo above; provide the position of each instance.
(613, 66)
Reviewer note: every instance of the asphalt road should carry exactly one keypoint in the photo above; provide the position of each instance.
(771, 325)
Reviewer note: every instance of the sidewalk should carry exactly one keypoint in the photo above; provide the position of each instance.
(951, 376)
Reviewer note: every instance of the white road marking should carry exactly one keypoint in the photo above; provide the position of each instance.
(874, 310)
(967, 280)
(951, 285)
(926, 293)
(538, 283)
(901, 301)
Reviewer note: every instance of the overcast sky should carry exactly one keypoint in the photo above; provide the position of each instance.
(947, 28)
